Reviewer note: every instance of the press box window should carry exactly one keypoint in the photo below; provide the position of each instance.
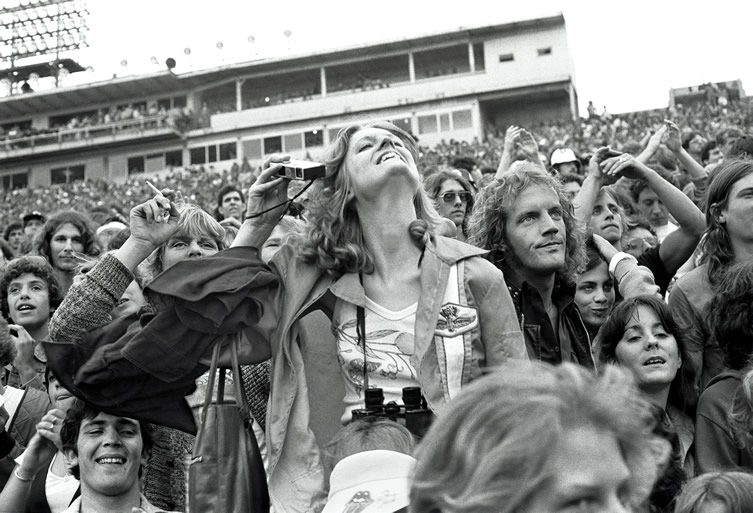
(272, 145)
(544, 51)
(427, 124)
(506, 57)
(198, 155)
(212, 153)
(313, 138)
(16, 181)
(136, 165)
(462, 119)
(228, 151)
(174, 158)
(66, 174)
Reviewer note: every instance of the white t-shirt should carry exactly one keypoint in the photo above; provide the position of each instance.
(663, 231)
(389, 345)
(59, 490)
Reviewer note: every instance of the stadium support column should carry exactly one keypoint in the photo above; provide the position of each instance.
(239, 94)
(323, 80)
(411, 67)
(471, 59)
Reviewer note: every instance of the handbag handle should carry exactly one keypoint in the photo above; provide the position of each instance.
(236, 372)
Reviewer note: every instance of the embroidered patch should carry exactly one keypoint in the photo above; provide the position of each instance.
(454, 320)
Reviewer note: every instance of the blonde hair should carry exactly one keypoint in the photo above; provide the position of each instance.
(490, 450)
(334, 242)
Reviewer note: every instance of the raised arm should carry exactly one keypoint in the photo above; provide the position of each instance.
(589, 191)
(267, 201)
(519, 145)
(680, 244)
(88, 303)
(696, 172)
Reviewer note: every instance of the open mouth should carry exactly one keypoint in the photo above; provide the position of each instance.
(654, 360)
(390, 155)
(25, 308)
(111, 460)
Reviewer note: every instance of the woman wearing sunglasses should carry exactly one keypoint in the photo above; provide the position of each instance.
(452, 197)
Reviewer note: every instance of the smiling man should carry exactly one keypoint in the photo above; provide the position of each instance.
(106, 454)
(526, 223)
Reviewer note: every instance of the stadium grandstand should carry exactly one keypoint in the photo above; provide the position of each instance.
(441, 86)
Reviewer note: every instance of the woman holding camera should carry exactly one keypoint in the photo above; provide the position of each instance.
(408, 307)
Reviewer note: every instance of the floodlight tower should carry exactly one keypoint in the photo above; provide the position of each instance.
(37, 38)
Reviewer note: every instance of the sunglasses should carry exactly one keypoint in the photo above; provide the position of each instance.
(449, 197)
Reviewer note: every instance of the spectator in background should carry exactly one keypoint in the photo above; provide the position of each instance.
(728, 239)
(14, 234)
(564, 160)
(717, 492)
(571, 184)
(29, 294)
(20, 413)
(6, 253)
(50, 488)
(230, 203)
(594, 290)
(742, 148)
(694, 143)
(371, 465)
(453, 198)
(711, 155)
(107, 231)
(33, 223)
(65, 238)
(535, 438)
(718, 446)
(726, 137)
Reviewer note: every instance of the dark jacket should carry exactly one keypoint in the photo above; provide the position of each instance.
(716, 449)
(570, 343)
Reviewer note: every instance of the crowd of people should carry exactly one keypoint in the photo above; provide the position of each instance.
(557, 319)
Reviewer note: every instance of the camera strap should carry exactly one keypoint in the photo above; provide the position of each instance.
(361, 332)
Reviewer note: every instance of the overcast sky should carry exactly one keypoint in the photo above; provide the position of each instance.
(626, 54)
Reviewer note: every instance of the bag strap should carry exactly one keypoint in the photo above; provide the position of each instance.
(207, 398)
(237, 381)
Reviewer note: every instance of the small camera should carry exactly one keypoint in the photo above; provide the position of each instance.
(302, 170)
(414, 413)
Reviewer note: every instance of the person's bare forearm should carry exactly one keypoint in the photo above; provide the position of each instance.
(682, 208)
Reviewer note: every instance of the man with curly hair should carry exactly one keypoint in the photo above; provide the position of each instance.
(525, 221)
(29, 294)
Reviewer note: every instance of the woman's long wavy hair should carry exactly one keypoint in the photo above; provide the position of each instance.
(490, 450)
(491, 211)
(716, 244)
(433, 184)
(335, 242)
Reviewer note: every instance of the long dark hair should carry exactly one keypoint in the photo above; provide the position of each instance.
(716, 245)
(731, 315)
(681, 391)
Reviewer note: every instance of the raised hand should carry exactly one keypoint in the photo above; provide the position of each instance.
(594, 165)
(656, 140)
(268, 196)
(526, 146)
(672, 138)
(156, 220)
(24, 347)
(606, 250)
(624, 165)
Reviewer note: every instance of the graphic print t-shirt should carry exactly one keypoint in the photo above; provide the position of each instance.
(389, 345)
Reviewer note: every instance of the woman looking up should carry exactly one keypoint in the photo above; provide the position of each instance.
(408, 307)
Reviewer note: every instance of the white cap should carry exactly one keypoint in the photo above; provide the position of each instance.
(377, 481)
(562, 155)
(112, 225)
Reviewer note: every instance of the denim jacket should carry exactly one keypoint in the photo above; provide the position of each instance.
(296, 477)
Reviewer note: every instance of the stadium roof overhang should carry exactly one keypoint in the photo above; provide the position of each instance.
(81, 96)
(166, 83)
